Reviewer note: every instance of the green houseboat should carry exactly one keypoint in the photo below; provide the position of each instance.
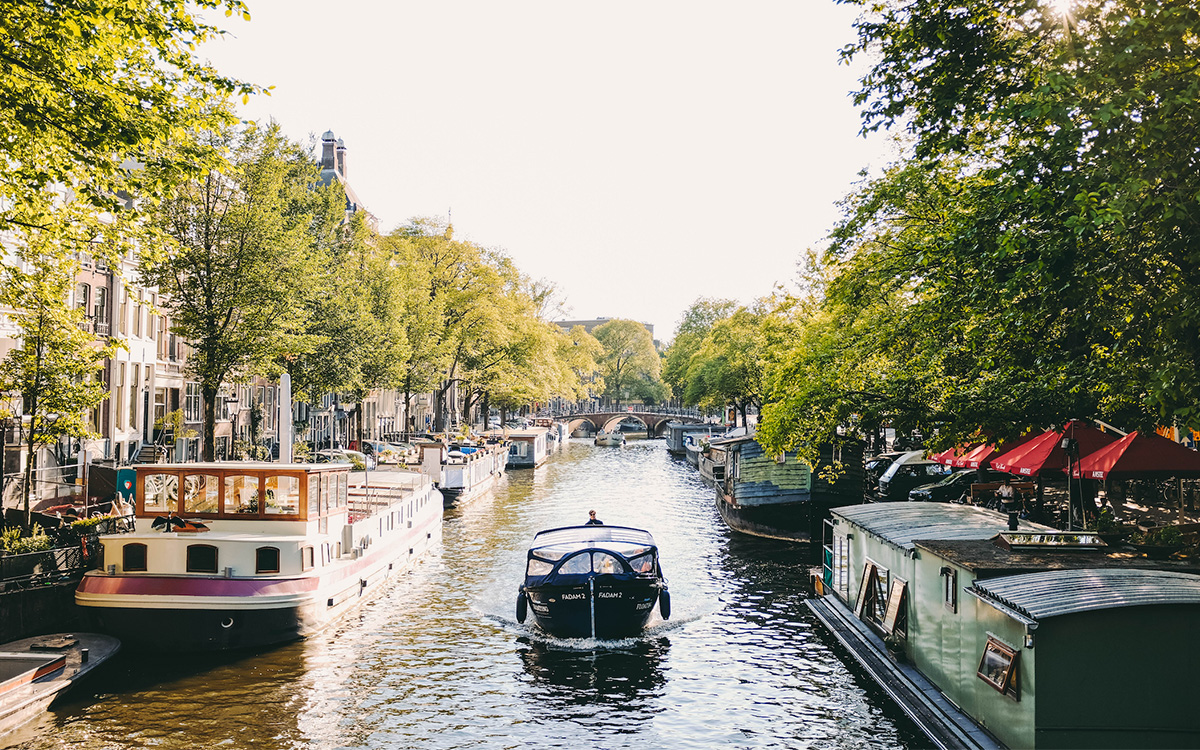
(1040, 638)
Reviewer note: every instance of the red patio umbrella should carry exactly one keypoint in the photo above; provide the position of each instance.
(1045, 454)
(952, 456)
(1141, 456)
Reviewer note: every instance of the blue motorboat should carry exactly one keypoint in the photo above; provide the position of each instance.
(593, 581)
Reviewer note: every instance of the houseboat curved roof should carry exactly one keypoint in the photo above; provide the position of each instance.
(903, 524)
(1063, 592)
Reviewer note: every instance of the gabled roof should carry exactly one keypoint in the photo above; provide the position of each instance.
(1064, 592)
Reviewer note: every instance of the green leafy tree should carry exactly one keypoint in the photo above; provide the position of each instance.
(728, 366)
(54, 365)
(89, 90)
(1033, 257)
(628, 355)
(697, 320)
(240, 256)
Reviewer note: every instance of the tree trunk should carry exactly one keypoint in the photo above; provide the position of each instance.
(30, 472)
(209, 395)
(487, 411)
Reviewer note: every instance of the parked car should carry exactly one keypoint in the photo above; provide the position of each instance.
(876, 465)
(954, 486)
(908, 471)
(343, 456)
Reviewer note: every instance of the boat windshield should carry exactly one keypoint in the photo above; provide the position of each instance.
(556, 552)
(593, 536)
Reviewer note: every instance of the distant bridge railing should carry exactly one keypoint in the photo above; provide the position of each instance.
(660, 410)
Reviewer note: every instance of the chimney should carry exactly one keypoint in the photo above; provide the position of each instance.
(341, 158)
(328, 145)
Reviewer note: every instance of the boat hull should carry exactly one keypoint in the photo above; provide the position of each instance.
(215, 614)
(796, 521)
(622, 608)
(26, 695)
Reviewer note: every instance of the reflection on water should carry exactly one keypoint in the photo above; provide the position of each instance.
(624, 678)
(440, 662)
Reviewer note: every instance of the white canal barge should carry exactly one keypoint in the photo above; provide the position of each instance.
(237, 555)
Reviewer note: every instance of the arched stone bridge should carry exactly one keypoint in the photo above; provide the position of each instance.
(656, 423)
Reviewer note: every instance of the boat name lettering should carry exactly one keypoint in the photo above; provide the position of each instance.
(609, 594)
(566, 597)
(644, 605)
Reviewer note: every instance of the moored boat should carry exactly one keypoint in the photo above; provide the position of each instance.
(236, 555)
(468, 472)
(779, 497)
(593, 581)
(36, 671)
(609, 438)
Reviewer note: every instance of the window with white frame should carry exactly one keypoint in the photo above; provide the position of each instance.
(193, 404)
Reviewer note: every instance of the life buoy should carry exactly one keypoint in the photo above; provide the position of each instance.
(522, 606)
(664, 604)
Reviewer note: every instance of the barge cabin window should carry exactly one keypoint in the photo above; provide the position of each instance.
(266, 560)
(998, 667)
(283, 496)
(201, 558)
(133, 557)
(200, 493)
(306, 558)
(161, 492)
(241, 493)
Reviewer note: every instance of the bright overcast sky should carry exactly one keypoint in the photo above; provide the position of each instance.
(638, 155)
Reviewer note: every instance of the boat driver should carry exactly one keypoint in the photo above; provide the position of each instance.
(592, 520)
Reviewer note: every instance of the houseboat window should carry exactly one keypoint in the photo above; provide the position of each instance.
(266, 560)
(519, 449)
(538, 567)
(327, 492)
(998, 667)
(201, 558)
(605, 564)
(895, 618)
(314, 495)
(133, 557)
(283, 496)
(872, 593)
(200, 493)
(579, 564)
(306, 558)
(162, 490)
(950, 588)
(323, 525)
(343, 481)
(241, 494)
(643, 563)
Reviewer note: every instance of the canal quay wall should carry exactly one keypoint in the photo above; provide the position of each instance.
(38, 609)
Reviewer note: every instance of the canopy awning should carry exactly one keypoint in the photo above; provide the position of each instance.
(1139, 456)
(976, 455)
(1044, 454)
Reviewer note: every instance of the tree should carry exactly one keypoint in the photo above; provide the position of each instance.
(54, 364)
(727, 366)
(1034, 255)
(628, 355)
(239, 258)
(697, 320)
(90, 89)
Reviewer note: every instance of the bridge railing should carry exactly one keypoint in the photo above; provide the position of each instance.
(662, 410)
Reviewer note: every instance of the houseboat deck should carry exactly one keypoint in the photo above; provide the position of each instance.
(946, 726)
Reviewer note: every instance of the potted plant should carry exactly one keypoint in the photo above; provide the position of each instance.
(1110, 529)
(1158, 543)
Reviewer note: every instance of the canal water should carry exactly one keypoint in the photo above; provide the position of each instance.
(440, 662)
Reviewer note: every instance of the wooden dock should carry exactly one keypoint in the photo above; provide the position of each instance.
(946, 726)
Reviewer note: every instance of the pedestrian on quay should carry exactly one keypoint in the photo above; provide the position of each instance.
(592, 520)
